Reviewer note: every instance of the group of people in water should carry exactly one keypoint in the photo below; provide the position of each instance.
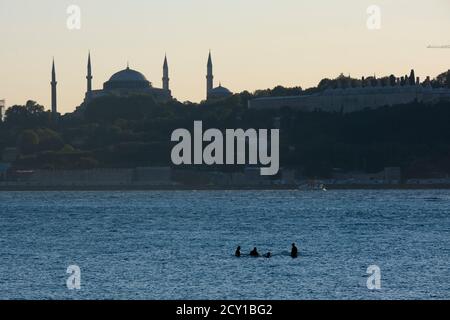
(254, 252)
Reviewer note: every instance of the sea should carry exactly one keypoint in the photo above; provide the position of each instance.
(171, 245)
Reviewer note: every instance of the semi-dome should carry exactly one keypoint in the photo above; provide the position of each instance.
(128, 75)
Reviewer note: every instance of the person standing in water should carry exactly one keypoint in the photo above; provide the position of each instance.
(294, 251)
(254, 253)
(238, 252)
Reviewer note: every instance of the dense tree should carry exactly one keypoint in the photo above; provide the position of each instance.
(278, 91)
(29, 115)
(412, 78)
(49, 139)
(28, 142)
(111, 108)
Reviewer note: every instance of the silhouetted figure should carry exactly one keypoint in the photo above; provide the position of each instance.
(294, 251)
(254, 253)
(238, 252)
(268, 255)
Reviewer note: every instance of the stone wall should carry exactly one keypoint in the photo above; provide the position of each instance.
(82, 177)
(97, 177)
(152, 175)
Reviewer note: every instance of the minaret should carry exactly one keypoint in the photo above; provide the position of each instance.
(209, 76)
(53, 83)
(165, 78)
(89, 75)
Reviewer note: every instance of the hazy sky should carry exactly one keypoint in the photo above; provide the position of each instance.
(256, 44)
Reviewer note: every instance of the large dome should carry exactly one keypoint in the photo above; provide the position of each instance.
(219, 93)
(128, 75)
(127, 79)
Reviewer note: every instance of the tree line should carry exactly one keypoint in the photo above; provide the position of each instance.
(118, 132)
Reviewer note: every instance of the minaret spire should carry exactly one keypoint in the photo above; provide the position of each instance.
(165, 61)
(89, 75)
(209, 59)
(165, 78)
(53, 85)
(209, 75)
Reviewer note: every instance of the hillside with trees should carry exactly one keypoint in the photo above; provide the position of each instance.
(117, 132)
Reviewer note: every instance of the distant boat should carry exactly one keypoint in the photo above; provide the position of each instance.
(312, 186)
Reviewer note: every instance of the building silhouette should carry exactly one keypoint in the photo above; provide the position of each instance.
(211, 92)
(128, 82)
(53, 87)
(349, 97)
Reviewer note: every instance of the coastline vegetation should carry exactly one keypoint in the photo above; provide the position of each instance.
(120, 132)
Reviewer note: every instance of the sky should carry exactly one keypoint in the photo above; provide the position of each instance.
(256, 44)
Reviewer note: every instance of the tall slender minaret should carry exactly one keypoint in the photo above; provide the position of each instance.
(89, 76)
(165, 78)
(53, 84)
(209, 76)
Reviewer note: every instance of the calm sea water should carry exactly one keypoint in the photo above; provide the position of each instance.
(180, 245)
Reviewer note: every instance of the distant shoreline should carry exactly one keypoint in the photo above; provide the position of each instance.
(215, 188)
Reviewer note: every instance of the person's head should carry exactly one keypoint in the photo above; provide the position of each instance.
(254, 248)
(239, 247)
(293, 244)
